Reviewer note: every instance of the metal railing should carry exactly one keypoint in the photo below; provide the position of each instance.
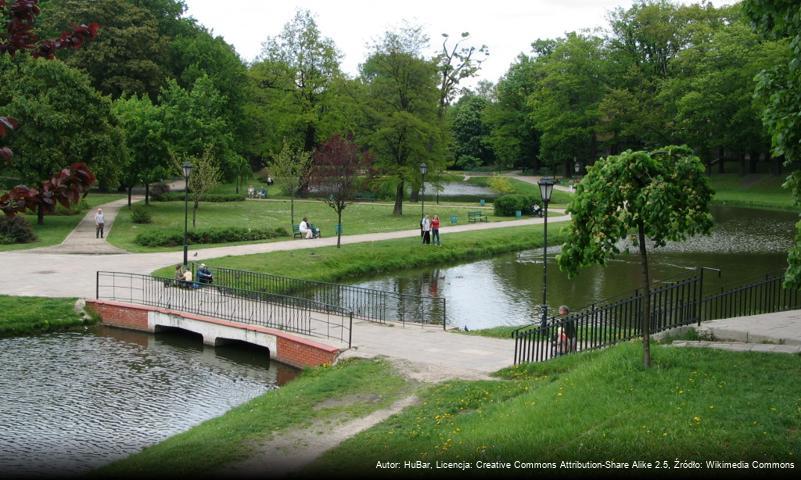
(292, 314)
(672, 305)
(366, 303)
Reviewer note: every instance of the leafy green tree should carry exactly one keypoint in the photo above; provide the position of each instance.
(299, 66)
(205, 176)
(565, 101)
(402, 110)
(62, 118)
(128, 57)
(779, 87)
(471, 135)
(149, 158)
(454, 64)
(289, 169)
(662, 196)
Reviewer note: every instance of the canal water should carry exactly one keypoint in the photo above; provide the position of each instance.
(507, 289)
(74, 401)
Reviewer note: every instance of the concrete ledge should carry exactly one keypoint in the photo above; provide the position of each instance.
(284, 347)
(741, 347)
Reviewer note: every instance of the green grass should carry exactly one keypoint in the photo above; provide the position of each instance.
(357, 218)
(494, 332)
(28, 315)
(357, 260)
(763, 191)
(57, 227)
(693, 404)
(350, 389)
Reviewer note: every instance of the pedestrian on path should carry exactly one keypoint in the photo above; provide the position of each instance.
(100, 223)
(569, 330)
(435, 230)
(426, 230)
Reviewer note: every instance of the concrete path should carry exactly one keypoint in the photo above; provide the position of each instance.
(41, 273)
(82, 240)
(780, 328)
(533, 180)
(740, 347)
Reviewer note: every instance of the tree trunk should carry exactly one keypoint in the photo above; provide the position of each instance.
(777, 166)
(721, 156)
(292, 211)
(756, 157)
(414, 196)
(40, 215)
(744, 160)
(194, 212)
(147, 193)
(646, 304)
(398, 209)
(339, 222)
(238, 179)
(130, 192)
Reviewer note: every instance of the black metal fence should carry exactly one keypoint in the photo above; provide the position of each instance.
(672, 305)
(292, 314)
(366, 303)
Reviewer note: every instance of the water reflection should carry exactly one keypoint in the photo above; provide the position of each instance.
(75, 401)
(507, 290)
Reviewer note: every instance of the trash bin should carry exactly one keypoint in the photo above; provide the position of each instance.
(518, 214)
(339, 229)
(454, 219)
(481, 202)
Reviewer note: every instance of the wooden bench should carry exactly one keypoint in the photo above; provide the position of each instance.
(365, 196)
(474, 216)
(296, 231)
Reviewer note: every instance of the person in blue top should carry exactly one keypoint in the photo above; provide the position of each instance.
(204, 275)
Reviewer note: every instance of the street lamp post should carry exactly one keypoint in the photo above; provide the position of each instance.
(423, 171)
(546, 188)
(187, 168)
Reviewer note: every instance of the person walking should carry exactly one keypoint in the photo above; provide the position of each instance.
(426, 230)
(568, 329)
(100, 223)
(435, 230)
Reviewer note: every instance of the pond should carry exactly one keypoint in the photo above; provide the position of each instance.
(458, 189)
(74, 401)
(507, 289)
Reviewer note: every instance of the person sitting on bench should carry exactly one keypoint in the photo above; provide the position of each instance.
(204, 275)
(305, 231)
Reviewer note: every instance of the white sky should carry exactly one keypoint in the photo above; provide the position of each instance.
(507, 27)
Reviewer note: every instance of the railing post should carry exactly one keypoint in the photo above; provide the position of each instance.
(350, 330)
(97, 285)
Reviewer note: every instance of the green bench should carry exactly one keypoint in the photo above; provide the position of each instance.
(314, 229)
(474, 216)
(365, 197)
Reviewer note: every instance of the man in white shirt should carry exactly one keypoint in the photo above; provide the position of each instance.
(100, 222)
(304, 228)
(426, 230)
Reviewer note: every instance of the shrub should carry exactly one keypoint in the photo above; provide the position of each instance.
(158, 190)
(141, 214)
(15, 230)
(506, 205)
(209, 197)
(500, 184)
(174, 238)
(75, 209)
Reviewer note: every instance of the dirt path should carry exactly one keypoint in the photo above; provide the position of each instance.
(290, 451)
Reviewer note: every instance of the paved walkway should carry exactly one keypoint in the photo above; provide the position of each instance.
(83, 239)
(779, 327)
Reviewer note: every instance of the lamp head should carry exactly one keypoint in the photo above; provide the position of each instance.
(187, 168)
(423, 168)
(546, 188)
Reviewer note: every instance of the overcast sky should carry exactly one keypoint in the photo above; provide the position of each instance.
(507, 27)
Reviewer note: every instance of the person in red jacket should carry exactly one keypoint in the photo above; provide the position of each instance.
(435, 230)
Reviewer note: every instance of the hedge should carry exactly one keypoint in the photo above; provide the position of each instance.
(506, 205)
(161, 238)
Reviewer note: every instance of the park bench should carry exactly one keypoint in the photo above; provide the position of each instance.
(474, 216)
(314, 229)
(365, 197)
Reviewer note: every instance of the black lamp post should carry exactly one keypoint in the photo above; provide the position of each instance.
(423, 171)
(546, 188)
(187, 168)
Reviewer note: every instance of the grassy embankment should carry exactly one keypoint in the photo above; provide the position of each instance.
(57, 227)
(331, 264)
(559, 199)
(29, 315)
(760, 191)
(350, 389)
(693, 404)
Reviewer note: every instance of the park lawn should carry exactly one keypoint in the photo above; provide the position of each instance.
(504, 331)
(559, 199)
(752, 191)
(57, 227)
(330, 264)
(357, 218)
(28, 315)
(352, 388)
(693, 404)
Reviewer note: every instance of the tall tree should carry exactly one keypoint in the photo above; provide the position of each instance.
(338, 163)
(662, 195)
(299, 65)
(470, 132)
(402, 109)
(454, 64)
(205, 176)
